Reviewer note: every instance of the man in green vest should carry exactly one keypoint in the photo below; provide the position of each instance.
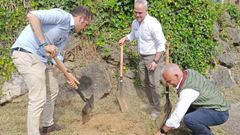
(200, 103)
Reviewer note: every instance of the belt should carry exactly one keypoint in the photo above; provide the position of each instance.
(146, 55)
(20, 49)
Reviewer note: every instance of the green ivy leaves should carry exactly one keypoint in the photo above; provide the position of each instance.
(6, 64)
(187, 25)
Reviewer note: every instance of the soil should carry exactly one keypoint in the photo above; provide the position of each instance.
(107, 119)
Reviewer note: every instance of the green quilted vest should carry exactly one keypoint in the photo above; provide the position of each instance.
(210, 97)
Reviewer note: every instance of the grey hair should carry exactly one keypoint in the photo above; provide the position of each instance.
(172, 67)
(144, 2)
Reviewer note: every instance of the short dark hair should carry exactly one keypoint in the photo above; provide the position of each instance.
(81, 10)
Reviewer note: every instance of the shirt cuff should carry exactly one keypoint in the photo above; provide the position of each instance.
(162, 48)
(129, 37)
(171, 124)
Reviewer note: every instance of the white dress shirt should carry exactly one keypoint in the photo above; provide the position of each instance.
(149, 36)
(186, 98)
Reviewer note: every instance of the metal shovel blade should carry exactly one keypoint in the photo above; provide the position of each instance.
(88, 107)
(121, 97)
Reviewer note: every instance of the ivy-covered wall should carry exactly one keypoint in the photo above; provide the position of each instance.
(188, 26)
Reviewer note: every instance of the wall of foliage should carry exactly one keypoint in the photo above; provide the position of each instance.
(188, 26)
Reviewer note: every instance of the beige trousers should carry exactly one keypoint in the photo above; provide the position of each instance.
(40, 98)
(151, 80)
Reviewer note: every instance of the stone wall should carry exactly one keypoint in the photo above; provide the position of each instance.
(226, 73)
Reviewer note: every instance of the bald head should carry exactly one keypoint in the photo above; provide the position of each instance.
(171, 69)
(172, 74)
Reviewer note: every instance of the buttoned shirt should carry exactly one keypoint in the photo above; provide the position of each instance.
(186, 98)
(149, 35)
(56, 27)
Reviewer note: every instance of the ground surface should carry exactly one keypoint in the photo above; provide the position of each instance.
(106, 119)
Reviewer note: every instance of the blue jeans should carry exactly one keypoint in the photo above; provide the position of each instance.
(200, 119)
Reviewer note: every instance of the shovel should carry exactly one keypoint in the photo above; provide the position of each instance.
(120, 95)
(161, 120)
(89, 102)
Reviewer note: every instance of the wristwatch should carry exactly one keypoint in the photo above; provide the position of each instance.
(162, 131)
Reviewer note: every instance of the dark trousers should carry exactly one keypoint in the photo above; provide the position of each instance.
(199, 120)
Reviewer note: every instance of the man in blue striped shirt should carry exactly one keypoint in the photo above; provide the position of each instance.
(46, 35)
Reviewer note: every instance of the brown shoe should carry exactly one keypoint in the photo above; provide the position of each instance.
(47, 130)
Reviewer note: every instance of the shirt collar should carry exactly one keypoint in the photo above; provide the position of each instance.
(146, 18)
(71, 29)
(71, 21)
(183, 78)
(179, 83)
(71, 25)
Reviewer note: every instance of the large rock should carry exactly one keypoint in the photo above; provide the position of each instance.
(216, 29)
(227, 59)
(224, 46)
(94, 79)
(225, 55)
(221, 77)
(236, 73)
(112, 55)
(228, 19)
(13, 88)
(234, 35)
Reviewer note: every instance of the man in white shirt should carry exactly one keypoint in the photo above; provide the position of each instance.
(200, 103)
(151, 43)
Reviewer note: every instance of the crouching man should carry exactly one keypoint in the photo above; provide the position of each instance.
(200, 103)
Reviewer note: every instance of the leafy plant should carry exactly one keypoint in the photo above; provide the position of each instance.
(234, 13)
(187, 25)
(6, 64)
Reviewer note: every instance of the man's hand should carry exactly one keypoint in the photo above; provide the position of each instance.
(122, 41)
(159, 133)
(165, 130)
(51, 49)
(152, 66)
(72, 80)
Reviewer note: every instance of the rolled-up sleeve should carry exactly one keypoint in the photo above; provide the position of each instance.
(158, 36)
(52, 16)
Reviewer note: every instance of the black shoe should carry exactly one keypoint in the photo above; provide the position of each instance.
(54, 127)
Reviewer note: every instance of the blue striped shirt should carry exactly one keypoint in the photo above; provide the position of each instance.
(56, 27)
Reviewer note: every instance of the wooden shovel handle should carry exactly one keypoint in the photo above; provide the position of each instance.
(63, 69)
(121, 61)
(167, 54)
(60, 65)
